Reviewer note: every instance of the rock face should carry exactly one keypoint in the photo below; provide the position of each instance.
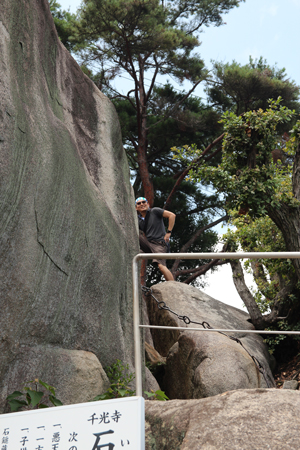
(77, 374)
(201, 364)
(257, 419)
(67, 220)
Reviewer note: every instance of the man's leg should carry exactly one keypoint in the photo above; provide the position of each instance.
(160, 247)
(148, 247)
(166, 272)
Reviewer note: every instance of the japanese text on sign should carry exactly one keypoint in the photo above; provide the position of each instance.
(109, 425)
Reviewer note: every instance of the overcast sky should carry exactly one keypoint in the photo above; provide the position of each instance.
(267, 28)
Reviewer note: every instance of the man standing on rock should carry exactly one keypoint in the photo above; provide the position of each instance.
(155, 238)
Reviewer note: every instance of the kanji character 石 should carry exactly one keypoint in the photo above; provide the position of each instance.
(109, 446)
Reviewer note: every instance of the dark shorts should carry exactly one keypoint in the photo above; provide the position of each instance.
(153, 247)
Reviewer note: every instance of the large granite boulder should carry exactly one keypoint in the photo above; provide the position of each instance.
(67, 220)
(245, 419)
(203, 364)
(77, 375)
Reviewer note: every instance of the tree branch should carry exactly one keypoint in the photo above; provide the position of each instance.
(259, 274)
(199, 209)
(202, 271)
(122, 96)
(186, 171)
(175, 107)
(194, 237)
(152, 81)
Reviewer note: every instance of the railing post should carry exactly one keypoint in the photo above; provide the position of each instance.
(136, 328)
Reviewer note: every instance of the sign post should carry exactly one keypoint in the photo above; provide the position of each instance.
(108, 425)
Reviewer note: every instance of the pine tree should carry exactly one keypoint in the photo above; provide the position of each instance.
(144, 39)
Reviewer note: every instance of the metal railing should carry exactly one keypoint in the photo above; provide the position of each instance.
(136, 308)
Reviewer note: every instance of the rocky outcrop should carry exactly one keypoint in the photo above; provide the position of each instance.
(201, 364)
(67, 219)
(245, 419)
(78, 375)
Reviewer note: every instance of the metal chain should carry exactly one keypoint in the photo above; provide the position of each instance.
(187, 321)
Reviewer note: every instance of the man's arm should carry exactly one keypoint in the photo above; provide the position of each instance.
(171, 216)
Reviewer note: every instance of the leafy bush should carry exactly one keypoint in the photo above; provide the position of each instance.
(274, 341)
(158, 395)
(120, 378)
(32, 397)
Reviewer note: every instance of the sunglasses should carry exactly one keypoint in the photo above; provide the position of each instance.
(141, 203)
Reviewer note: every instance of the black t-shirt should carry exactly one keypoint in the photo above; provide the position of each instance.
(155, 227)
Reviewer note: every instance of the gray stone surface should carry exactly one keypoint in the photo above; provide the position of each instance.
(77, 375)
(290, 384)
(256, 419)
(68, 228)
(201, 364)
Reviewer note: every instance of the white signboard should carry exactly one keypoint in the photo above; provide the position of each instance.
(108, 425)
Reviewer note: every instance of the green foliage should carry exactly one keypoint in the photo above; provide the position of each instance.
(273, 341)
(260, 235)
(153, 367)
(32, 397)
(255, 179)
(171, 118)
(157, 395)
(242, 88)
(140, 39)
(65, 24)
(194, 207)
(154, 31)
(131, 28)
(247, 175)
(120, 378)
(294, 139)
(135, 38)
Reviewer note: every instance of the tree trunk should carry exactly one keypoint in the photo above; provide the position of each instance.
(281, 304)
(243, 291)
(196, 162)
(287, 218)
(143, 169)
(143, 275)
(187, 245)
(142, 141)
